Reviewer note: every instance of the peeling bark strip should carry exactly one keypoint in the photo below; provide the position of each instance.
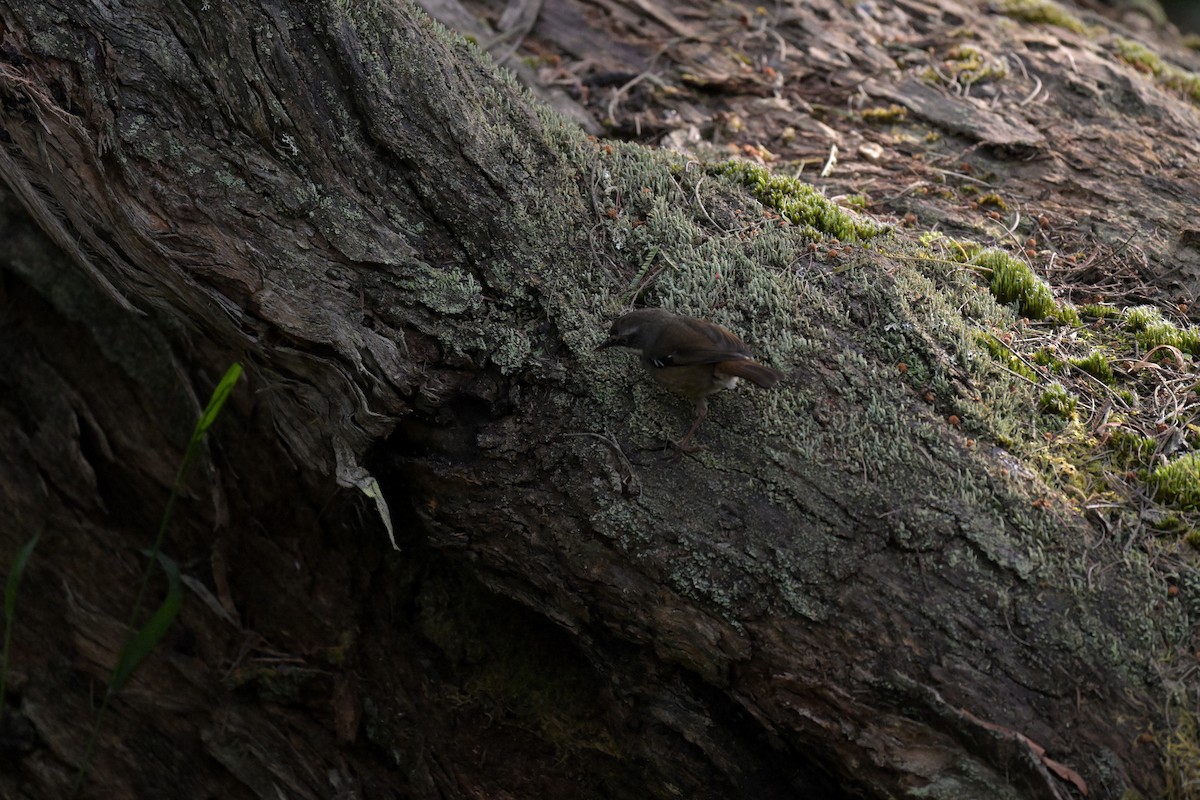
(839, 597)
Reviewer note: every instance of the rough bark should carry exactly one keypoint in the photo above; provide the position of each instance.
(842, 596)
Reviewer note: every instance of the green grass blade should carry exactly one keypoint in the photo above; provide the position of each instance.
(14, 576)
(211, 411)
(150, 634)
(153, 631)
(219, 396)
(10, 608)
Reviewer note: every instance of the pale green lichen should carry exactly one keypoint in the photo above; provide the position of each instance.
(511, 352)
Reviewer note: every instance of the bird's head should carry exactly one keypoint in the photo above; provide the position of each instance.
(636, 329)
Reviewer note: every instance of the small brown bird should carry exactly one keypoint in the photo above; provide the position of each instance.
(691, 357)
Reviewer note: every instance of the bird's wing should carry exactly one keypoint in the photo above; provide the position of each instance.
(691, 355)
(678, 347)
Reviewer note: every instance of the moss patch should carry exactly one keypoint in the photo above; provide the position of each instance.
(1151, 330)
(1102, 408)
(1178, 481)
(1095, 364)
(800, 203)
(1014, 282)
(1044, 12)
(1058, 401)
(882, 116)
(1166, 74)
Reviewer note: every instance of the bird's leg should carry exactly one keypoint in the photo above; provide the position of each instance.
(701, 412)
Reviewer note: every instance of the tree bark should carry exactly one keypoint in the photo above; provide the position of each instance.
(842, 596)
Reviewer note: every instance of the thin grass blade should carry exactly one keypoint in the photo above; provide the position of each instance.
(153, 631)
(14, 576)
(10, 608)
(219, 396)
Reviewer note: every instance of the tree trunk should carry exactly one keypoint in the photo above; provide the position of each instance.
(845, 594)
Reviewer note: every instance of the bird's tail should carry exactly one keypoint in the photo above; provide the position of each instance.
(756, 373)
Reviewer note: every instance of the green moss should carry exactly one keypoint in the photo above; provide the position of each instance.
(1139, 317)
(1044, 357)
(1147, 325)
(1058, 401)
(992, 200)
(1166, 333)
(1005, 356)
(1169, 75)
(1095, 364)
(1067, 454)
(1186, 82)
(881, 116)
(1099, 311)
(800, 203)
(859, 202)
(1167, 522)
(336, 654)
(1043, 12)
(968, 64)
(1138, 55)
(1178, 481)
(1068, 314)
(1129, 449)
(1014, 282)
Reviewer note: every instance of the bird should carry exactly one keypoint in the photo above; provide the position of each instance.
(689, 356)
